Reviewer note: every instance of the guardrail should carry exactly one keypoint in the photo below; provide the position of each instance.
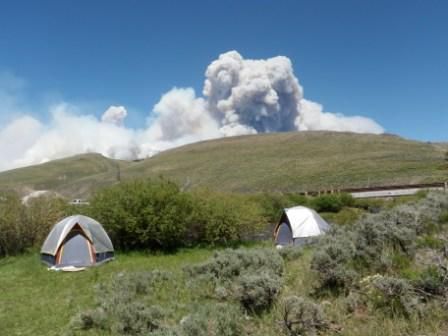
(383, 191)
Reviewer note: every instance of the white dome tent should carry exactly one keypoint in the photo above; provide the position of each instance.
(76, 241)
(297, 225)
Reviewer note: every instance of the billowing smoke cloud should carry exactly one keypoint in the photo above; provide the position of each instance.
(241, 96)
(115, 115)
(256, 95)
(312, 118)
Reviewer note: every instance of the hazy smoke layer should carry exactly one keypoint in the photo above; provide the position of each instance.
(241, 96)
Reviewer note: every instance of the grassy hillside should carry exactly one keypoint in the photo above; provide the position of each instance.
(299, 161)
(66, 176)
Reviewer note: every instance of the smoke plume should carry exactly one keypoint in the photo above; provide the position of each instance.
(240, 96)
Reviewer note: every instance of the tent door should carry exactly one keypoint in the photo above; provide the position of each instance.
(76, 250)
(284, 235)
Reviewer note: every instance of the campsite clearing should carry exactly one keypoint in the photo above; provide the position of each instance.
(35, 301)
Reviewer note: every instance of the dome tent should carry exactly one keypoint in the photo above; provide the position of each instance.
(298, 224)
(77, 241)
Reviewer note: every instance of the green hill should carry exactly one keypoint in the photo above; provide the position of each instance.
(293, 162)
(66, 176)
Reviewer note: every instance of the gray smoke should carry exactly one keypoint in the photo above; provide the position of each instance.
(115, 115)
(256, 95)
(241, 96)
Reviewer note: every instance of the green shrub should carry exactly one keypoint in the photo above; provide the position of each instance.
(90, 319)
(126, 287)
(289, 253)
(229, 264)
(347, 199)
(272, 204)
(354, 301)
(347, 216)
(136, 318)
(375, 234)
(370, 205)
(443, 219)
(132, 318)
(249, 276)
(381, 242)
(26, 226)
(301, 316)
(430, 241)
(14, 235)
(257, 292)
(41, 214)
(327, 203)
(331, 261)
(156, 214)
(433, 281)
(126, 305)
(224, 218)
(143, 214)
(219, 319)
(165, 332)
(393, 296)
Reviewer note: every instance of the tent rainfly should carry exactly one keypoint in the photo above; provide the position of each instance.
(77, 241)
(297, 224)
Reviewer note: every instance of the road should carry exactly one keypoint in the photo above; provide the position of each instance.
(392, 192)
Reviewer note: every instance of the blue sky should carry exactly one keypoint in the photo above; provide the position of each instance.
(386, 60)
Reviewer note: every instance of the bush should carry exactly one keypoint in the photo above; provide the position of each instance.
(229, 264)
(370, 205)
(257, 292)
(127, 287)
(26, 226)
(302, 316)
(14, 235)
(381, 242)
(375, 234)
(433, 281)
(327, 203)
(252, 277)
(156, 214)
(391, 295)
(136, 318)
(430, 241)
(347, 216)
(354, 301)
(213, 320)
(224, 218)
(331, 261)
(125, 305)
(143, 214)
(272, 204)
(42, 213)
(90, 319)
(443, 219)
(289, 253)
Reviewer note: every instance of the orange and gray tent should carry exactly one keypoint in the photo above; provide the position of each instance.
(297, 225)
(77, 241)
